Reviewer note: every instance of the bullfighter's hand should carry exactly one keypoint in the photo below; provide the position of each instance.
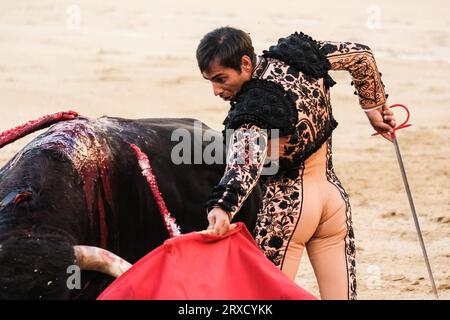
(219, 221)
(383, 121)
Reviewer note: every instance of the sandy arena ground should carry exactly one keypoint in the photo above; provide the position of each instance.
(137, 60)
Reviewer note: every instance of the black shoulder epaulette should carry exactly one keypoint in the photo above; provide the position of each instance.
(265, 104)
(303, 53)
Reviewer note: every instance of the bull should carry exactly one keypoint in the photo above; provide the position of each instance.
(76, 191)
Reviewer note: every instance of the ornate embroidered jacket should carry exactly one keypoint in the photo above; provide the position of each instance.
(289, 91)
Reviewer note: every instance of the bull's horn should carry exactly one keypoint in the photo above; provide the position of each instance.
(101, 260)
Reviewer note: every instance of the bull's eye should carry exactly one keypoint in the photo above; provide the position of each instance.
(22, 196)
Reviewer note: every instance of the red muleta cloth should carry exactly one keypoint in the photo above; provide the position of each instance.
(199, 266)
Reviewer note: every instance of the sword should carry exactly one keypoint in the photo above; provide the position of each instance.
(405, 124)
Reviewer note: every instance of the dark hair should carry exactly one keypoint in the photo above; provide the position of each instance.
(226, 44)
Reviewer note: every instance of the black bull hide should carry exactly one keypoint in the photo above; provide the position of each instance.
(79, 183)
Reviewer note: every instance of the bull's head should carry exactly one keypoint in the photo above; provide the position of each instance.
(42, 222)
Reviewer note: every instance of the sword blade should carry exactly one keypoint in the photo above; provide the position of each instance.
(414, 214)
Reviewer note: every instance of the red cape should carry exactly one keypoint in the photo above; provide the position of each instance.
(198, 266)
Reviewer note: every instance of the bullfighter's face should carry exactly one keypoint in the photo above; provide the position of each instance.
(227, 82)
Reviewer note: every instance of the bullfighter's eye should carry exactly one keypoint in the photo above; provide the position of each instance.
(22, 196)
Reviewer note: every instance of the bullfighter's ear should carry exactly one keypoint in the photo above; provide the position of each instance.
(22, 196)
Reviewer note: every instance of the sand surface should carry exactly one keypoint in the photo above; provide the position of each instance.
(137, 60)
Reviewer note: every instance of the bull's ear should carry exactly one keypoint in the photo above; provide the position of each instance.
(22, 196)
